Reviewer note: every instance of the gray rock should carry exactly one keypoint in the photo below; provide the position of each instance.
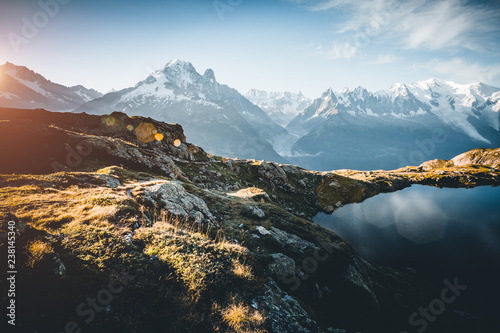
(290, 241)
(111, 181)
(358, 274)
(59, 267)
(328, 209)
(262, 230)
(281, 265)
(172, 196)
(253, 212)
(285, 314)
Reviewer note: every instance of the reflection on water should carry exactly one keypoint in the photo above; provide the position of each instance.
(440, 232)
(420, 217)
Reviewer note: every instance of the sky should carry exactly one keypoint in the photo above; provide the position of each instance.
(273, 45)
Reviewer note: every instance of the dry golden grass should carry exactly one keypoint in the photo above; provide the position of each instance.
(241, 318)
(236, 316)
(36, 250)
(241, 270)
(48, 207)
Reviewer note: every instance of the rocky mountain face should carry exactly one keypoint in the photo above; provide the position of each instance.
(23, 88)
(281, 107)
(406, 124)
(214, 115)
(197, 242)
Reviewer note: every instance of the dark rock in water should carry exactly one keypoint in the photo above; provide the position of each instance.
(328, 209)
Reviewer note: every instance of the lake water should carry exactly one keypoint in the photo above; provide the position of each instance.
(442, 233)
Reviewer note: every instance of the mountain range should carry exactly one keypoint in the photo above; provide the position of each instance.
(23, 88)
(214, 115)
(281, 107)
(406, 124)
(358, 129)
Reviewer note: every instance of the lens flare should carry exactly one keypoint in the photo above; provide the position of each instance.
(109, 121)
(146, 132)
(158, 137)
(177, 143)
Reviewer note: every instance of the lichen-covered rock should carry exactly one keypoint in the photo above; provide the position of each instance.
(172, 196)
(357, 273)
(59, 267)
(281, 266)
(263, 231)
(111, 181)
(284, 312)
(290, 241)
(254, 212)
(328, 209)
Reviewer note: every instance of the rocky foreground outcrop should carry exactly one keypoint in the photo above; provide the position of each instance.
(201, 243)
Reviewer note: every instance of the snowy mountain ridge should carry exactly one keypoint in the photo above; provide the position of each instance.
(452, 103)
(213, 115)
(280, 106)
(23, 88)
(348, 128)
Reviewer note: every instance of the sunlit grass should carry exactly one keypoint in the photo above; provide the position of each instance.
(241, 270)
(36, 251)
(241, 318)
(50, 207)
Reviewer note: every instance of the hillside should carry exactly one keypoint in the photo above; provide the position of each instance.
(202, 243)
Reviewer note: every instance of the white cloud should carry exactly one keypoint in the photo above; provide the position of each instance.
(460, 71)
(414, 24)
(343, 50)
(340, 50)
(383, 59)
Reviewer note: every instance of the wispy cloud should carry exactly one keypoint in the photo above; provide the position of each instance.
(383, 59)
(461, 71)
(427, 24)
(343, 50)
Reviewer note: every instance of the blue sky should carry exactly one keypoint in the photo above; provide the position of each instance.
(307, 45)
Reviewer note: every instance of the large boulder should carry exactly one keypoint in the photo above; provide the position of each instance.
(281, 266)
(171, 196)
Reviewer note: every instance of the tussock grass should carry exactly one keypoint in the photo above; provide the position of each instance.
(50, 207)
(36, 250)
(200, 257)
(241, 318)
(241, 270)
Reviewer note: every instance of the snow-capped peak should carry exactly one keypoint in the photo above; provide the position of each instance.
(178, 63)
(327, 93)
(178, 72)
